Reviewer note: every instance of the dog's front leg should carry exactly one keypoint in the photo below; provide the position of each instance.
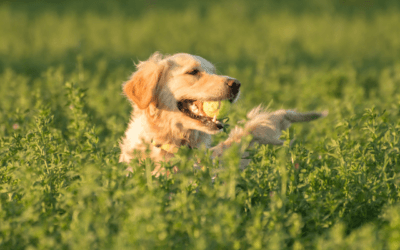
(236, 135)
(265, 127)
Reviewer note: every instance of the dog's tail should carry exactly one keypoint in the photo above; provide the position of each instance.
(294, 116)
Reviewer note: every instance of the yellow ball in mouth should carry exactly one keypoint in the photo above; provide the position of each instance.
(217, 108)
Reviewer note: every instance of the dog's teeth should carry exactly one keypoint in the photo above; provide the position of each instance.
(215, 118)
(194, 109)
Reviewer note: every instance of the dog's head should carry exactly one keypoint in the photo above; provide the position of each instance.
(172, 89)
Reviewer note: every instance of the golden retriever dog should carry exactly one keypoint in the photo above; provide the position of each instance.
(167, 93)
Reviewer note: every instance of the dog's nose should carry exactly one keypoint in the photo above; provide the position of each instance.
(234, 85)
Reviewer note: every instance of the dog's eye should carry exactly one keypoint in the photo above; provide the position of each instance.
(193, 72)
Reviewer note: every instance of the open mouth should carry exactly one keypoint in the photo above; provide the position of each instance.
(194, 109)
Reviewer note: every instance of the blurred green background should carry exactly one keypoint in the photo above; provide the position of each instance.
(299, 54)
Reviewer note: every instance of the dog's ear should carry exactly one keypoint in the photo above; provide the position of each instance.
(141, 88)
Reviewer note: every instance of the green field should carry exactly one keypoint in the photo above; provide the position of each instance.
(62, 115)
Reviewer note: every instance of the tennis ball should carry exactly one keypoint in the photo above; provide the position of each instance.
(218, 108)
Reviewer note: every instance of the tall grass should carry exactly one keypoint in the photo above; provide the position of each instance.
(62, 115)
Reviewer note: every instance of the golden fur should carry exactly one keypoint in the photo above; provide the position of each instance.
(161, 82)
